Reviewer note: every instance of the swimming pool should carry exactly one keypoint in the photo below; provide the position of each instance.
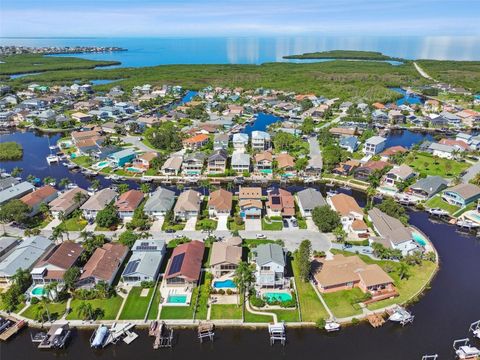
(277, 296)
(133, 169)
(177, 299)
(224, 284)
(37, 291)
(419, 239)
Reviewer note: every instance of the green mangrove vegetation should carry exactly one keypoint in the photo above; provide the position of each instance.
(10, 150)
(343, 54)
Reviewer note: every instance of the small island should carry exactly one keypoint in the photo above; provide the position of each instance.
(10, 150)
(343, 54)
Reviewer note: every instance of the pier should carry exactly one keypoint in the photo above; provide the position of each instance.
(163, 335)
(376, 320)
(277, 333)
(463, 350)
(56, 338)
(206, 331)
(9, 326)
(475, 329)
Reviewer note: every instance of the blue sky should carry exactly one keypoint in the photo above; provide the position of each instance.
(238, 18)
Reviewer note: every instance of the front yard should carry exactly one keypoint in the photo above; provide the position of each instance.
(75, 223)
(272, 224)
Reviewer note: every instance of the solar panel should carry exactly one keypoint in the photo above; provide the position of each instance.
(176, 264)
(131, 267)
(146, 247)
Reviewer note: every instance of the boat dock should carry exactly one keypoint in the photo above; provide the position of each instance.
(121, 331)
(56, 338)
(277, 333)
(9, 326)
(430, 357)
(206, 331)
(400, 315)
(376, 320)
(163, 335)
(463, 350)
(475, 329)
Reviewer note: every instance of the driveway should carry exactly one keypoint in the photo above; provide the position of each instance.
(222, 223)
(253, 225)
(190, 225)
(157, 224)
(311, 224)
(52, 224)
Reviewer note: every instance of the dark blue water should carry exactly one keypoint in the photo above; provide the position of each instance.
(255, 50)
(261, 123)
(408, 99)
(407, 138)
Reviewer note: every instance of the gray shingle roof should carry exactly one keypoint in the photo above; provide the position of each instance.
(161, 200)
(310, 198)
(267, 253)
(389, 227)
(430, 184)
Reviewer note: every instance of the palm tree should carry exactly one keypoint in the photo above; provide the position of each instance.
(44, 209)
(48, 180)
(243, 278)
(85, 310)
(403, 271)
(16, 171)
(95, 184)
(370, 194)
(103, 289)
(42, 310)
(79, 197)
(64, 182)
(145, 188)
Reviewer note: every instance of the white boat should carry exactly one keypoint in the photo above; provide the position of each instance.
(52, 147)
(52, 159)
(467, 224)
(463, 350)
(437, 212)
(331, 326)
(99, 337)
(332, 192)
(475, 329)
(401, 315)
(72, 186)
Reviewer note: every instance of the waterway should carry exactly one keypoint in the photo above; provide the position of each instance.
(261, 123)
(407, 138)
(407, 99)
(256, 50)
(442, 315)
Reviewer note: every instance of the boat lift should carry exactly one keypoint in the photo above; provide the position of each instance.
(475, 329)
(464, 351)
(430, 357)
(206, 331)
(277, 333)
(163, 335)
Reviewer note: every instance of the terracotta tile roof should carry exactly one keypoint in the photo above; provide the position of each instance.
(359, 225)
(250, 203)
(345, 204)
(452, 142)
(266, 155)
(343, 131)
(221, 200)
(285, 161)
(105, 262)
(196, 139)
(378, 105)
(66, 200)
(394, 150)
(250, 193)
(64, 256)
(376, 165)
(129, 200)
(190, 265)
(285, 202)
(38, 196)
(149, 156)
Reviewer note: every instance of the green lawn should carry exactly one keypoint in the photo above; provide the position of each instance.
(179, 312)
(286, 315)
(56, 310)
(431, 165)
(74, 224)
(310, 305)
(110, 307)
(438, 202)
(203, 299)
(342, 303)
(206, 224)
(226, 312)
(232, 226)
(274, 225)
(136, 306)
(84, 160)
(254, 318)
(153, 312)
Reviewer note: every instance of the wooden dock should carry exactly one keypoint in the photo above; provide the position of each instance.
(206, 331)
(376, 320)
(163, 335)
(14, 328)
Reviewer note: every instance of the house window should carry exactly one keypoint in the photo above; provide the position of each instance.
(265, 268)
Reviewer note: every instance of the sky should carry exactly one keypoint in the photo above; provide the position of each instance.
(111, 18)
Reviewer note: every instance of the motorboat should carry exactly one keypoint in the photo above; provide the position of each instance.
(331, 326)
(463, 350)
(332, 192)
(52, 159)
(401, 315)
(467, 224)
(72, 186)
(437, 212)
(99, 337)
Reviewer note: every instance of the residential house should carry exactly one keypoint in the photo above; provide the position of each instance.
(220, 203)
(23, 256)
(394, 235)
(392, 151)
(172, 165)
(68, 202)
(7, 243)
(280, 202)
(144, 264)
(348, 272)
(240, 141)
(15, 191)
(364, 171)
(193, 163)
(442, 151)
(250, 202)
(196, 142)
(349, 143)
(122, 157)
(315, 165)
(36, 198)
(261, 140)
(188, 205)
(98, 202)
(374, 145)
(459, 145)
(398, 174)
(263, 162)
(308, 199)
(224, 259)
(81, 117)
(240, 162)
(379, 116)
(343, 131)
(351, 214)
(427, 187)
(285, 163)
(269, 265)
(452, 119)
(346, 168)
(53, 265)
(396, 117)
(185, 265)
(128, 202)
(159, 203)
(220, 141)
(103, 265)
(217, 162)
(145, 160)
(462, 194)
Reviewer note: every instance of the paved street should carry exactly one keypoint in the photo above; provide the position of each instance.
(471, 172)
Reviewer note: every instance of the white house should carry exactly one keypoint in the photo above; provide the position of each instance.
(144, 264)
(374, 145)
(240, 141)
(260, 140)
(269, 265)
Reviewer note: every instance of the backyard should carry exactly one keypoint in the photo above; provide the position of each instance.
(344, 303)
(432, 165)
(438, 202)
(109, 307)
(226, 312)
(56, 310)
(136, 305)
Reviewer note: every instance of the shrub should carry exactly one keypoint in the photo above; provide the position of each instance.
(34, 300)
(229, 292)
(221, 292)
(256, 301)
(147, 284)
(320, 323)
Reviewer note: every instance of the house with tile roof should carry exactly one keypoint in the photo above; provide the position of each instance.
(68, 202)
(351, 214)
(128, 202)
(220, 203)
(188, 205)
(40, 196)
(224, 259)
(280, 202)
(250, 202)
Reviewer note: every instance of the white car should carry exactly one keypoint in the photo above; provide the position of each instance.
(260, 236)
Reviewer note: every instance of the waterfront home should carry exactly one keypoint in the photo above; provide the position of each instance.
(452, 119)
(15, 191)
(308, 199)
(144, 161)
(193, 163)
(53, 265)
(431, 105)
(195, 142)
(459, 145)
(349, 143)
(172, 165)
(346, 168)
(462, 194)
(285, 163)
(398, 174)
(466, 138)
(217, 162)
(240, 141)
(363, 172)
(68, 202)
(36, 198)
(122, 157)
(442, 151)
(263, 162)
(103, 265)
(348, 272)
(84, 135)
(220, 141)
(185, 265)
(396, 117)
(280, 202)
(220, 203)
(128, 202)
(351, 214)
(269, 265)
(315, 165)
(224, 259)
(144, 263)
(159, 203)
(261, 140)
(23, 256)
(250, 202)
(188, 205)
(97, 202)
(240, 162)
(392, 151)
(394, 235)
(427, 187)
(374, 145)
(379, 116)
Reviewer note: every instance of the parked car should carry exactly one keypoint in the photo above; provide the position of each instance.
(169, 231)
(285, 223)
(260, 236)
